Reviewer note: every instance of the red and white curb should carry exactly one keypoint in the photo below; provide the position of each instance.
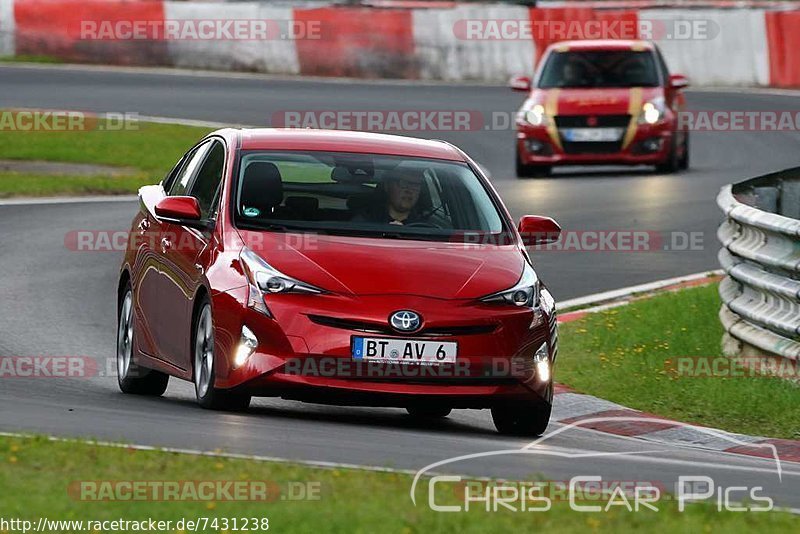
(589, 412)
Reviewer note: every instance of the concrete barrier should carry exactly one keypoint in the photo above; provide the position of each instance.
(761, 257)
(753, 46)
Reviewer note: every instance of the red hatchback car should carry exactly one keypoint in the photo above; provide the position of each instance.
(605, 102)
(337, 267)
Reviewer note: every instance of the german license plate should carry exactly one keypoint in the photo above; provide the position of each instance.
(592, 135)
(404, 350)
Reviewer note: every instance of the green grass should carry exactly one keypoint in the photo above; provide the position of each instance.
(627, 355)
(30, 59)
(151, 149)
(37, 476)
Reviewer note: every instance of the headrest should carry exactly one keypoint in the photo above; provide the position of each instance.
(262, 187)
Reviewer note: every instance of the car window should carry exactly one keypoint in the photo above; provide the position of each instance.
(169, 179)
(363, 194)
(191, 163)
(599, 68)
(206, 184)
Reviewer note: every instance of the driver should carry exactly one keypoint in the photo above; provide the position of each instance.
(572, 74)
(399, 205)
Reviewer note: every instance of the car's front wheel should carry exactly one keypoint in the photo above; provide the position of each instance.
(525, 170)
(522, 420)
(134, 378)
(204, 372)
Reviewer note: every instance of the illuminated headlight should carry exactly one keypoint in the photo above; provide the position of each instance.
(247, 346)
(652, 111)
(264, 278)
(524, 294)
(541, 361)
(536, 115)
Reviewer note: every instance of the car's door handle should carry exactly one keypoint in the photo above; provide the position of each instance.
(165, 244)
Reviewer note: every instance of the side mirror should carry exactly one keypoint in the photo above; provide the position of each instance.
(520, 83)
(181, 210)
(678, 81)
(537, 230)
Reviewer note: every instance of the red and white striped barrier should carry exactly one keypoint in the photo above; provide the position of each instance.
(751, 47)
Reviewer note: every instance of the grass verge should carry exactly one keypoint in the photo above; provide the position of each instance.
(151, 149)
(644, 356)
(42, 478)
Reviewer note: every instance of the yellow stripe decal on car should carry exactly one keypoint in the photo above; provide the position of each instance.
(550, 111)
(634, 108)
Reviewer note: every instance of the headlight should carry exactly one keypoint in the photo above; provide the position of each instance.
(524, 294)
(536, 115)
(652, 111)
(264, 278)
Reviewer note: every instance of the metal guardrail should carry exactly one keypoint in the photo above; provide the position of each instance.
(761, 258)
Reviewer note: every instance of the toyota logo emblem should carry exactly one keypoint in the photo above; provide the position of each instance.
(405, 321)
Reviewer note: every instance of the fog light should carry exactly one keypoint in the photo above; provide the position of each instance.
(247, 346)
(652, 145)
(542, 362)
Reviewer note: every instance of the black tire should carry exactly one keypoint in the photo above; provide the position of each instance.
(525, 170)
(132, 377)
(671, 164)
(428, 411)
(522, 420)
(683, 163)
(204, 363)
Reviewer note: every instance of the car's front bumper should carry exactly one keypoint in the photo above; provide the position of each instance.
(649, 145)
(299, 358)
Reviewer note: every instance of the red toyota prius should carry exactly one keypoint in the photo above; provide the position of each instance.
(337, 267)
(604, 102)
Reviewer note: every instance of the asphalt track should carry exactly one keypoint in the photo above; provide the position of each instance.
(57, 302)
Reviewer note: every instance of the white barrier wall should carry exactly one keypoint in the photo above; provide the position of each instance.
(274, 55)
(442, 55)
(7, 28)
(737, 55)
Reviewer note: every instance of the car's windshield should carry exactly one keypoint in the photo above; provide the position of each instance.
(363, 194)
(599, 68)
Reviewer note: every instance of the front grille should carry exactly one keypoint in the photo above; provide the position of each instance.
(591, 121)
(601, 121)
(377, 328)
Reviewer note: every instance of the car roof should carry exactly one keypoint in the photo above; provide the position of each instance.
(346, 141)
(603, 44)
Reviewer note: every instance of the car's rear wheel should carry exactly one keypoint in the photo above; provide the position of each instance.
(525, 170)
(132, 377)
(204, 371)
(428, 411)
(522, 420)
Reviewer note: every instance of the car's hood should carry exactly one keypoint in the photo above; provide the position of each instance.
(600, 101)
(367, 266)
